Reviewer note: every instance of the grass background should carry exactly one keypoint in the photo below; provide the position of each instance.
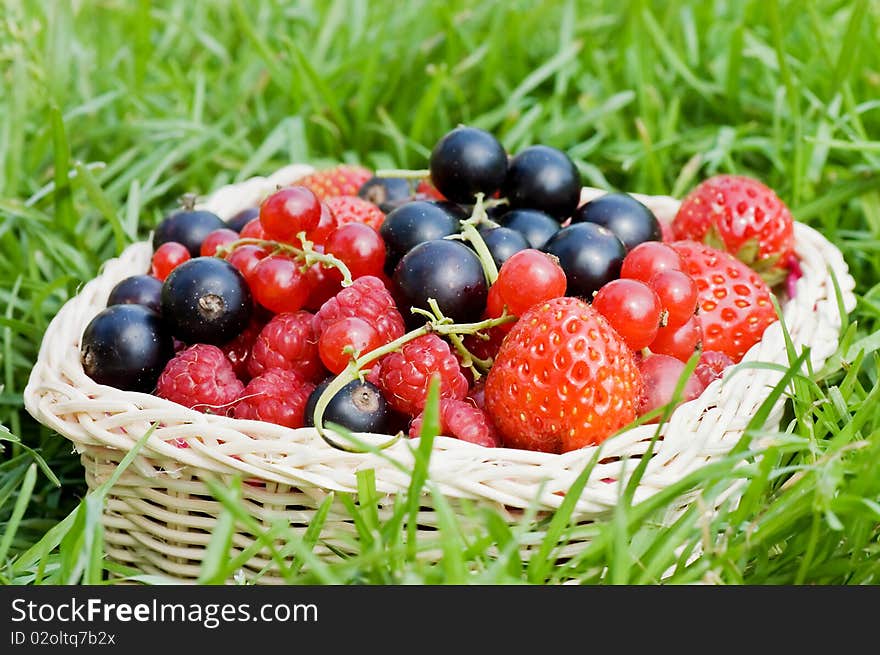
(111, 109)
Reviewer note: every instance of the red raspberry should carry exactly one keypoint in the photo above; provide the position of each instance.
(460, 419)
(238, 351)
(200, 377)
(277, 396)
(366, 298)
(288, 341)
(404, 376)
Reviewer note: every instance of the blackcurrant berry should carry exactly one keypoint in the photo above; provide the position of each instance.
(541, 177)
(590, 255)
(143, 290)
(242, 218)
(536, 226)
(630, 220)
(206, 300)
(385, 192)
(467, 161)
(412, 224)
(447, 271)
(503, 243)
(358, 406)
(126, 346)
(189, 227)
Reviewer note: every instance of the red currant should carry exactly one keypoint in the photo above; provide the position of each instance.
(649, 258)
(289, 211)
(678, 296)
(222, 237)
(661, 375)
(680, 342)
(167, 257)
(632, 308)
(278, 284)
(359, 247)
(527, 278)
(351, 332)
(253, 230)
(324, 283)
(244, 258)
(326, 225)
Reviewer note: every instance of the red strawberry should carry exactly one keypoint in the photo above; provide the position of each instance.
(351, 209)
(742, 216)
(563, 379)
(342, 180)
(734, 302)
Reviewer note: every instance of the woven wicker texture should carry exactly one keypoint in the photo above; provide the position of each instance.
(160, 514)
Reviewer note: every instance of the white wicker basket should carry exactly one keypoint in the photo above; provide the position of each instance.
(160, 514)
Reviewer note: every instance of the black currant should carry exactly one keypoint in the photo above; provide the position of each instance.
(412, 224)
(206, 300)
(503, 243)
(447, 271)
(386, 192)
(126, 346)
(467, 161)
(143, 290)
(358, 406)
(541, 177)
(242, 218)
(189, 227)
(630, 220)
(589, 254)
(536, 226)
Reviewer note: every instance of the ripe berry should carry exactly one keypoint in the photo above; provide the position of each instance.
(447, 271)
(326, 224)
(206, 300)
(369, 299)
(222, 237)
(143, 290)
(323, 282)
(385, 192)
(405, 375)
(462, 420)
(647, 259)
(527, 278)
(711, 366)
(563, 379)
(359, 247)
(126, 346)
(626, 217)
(246, 257)
(661, 375)
(238, 350)
(167, 257)
(633, 310)
(342, 180)
(412, 224)
(590, 255)
(289, 211)
(536, 226)
(347, 333)
(352, 209)
(279, 284)
(253, 230)
(358, 406)
(680, 342)
(242, 218)
(276, 396)
(678, 296)
(200, 377)
(502, 243)
(541, 177)
(467, 161)
(187, 227)
(289, 342)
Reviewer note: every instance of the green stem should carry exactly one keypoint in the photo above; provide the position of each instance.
(307, 254)
(469, 232)
(404, 173)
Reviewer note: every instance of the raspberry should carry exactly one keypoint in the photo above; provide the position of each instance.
(276, 396)
(404, 375)
(460, 419)
(238, 351)
(366, 298)
(200, 377)
(289, 342)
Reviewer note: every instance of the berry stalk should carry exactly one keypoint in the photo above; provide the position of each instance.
(470, 233)
(307, 254)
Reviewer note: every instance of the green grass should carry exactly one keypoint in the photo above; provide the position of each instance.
(109, 111)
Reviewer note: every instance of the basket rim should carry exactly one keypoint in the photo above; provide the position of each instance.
(97, 416)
